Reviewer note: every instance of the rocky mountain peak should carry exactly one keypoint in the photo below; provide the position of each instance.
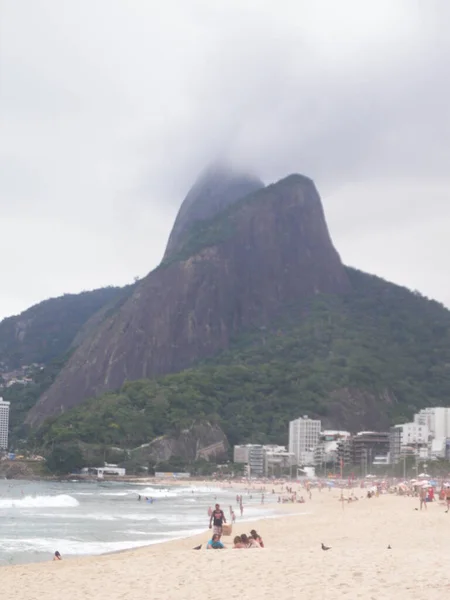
(217, 187)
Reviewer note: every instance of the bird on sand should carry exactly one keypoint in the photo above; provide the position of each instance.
(197, 547)
(325, 547)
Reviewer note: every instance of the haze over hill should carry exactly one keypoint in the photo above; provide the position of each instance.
(116, 116)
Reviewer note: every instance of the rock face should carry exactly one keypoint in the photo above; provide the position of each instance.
(202, 440)
(237, 272)
(217, 188)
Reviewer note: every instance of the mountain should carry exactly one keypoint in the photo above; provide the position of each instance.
(47, 330)
(238, 270)
(218, 187)
(359, 360)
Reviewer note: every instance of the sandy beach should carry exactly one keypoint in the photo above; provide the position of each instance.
(292, 565)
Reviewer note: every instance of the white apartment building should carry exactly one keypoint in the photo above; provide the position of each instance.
(4, 424)
(304, 436)
(437, 419)
(408, 438)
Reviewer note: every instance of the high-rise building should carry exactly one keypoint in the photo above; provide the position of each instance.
(437, 419)
(4, 424)
(303, 438)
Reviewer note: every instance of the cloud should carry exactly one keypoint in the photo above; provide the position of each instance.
(108, 110)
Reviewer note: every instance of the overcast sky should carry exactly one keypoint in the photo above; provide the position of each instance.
(110, 108)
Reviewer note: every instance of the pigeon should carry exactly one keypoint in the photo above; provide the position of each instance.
(325, 547)
(389, 547)
(197, 547)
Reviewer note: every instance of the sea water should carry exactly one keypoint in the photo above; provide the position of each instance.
(81, 518)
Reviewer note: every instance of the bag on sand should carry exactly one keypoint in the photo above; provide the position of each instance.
(226, 529)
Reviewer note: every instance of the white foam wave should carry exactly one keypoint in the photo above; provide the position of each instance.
(84, 516)
(157, 493)
(76, 547)
(59, 501)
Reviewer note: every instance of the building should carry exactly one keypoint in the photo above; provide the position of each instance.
(304, 436)
(366, 445)
(408, 438)
(251, 455)
(107, 469)
(4, 424)
(263, 461)
(277, 460)
(437, 419)
(327, 451)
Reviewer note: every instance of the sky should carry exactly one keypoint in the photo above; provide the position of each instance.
(109, 109)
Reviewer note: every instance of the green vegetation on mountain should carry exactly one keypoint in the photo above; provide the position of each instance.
(23, 397)
(46, 331)
(379, 341)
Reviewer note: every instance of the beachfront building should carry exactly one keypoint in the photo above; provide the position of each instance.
(251, 455)
(304, 434)
(4, 424)
(278, 460)
(408, 439)
(263, 461)
(327, 451)
(366, 445)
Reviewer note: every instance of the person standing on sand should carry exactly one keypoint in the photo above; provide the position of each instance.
(447, 498)
(423, 499)
(218, 518)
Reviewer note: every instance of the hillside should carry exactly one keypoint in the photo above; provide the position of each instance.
(46, 331)
(236, 271)
(357, 360)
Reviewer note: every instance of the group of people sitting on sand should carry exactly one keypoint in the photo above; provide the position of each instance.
(240, 541)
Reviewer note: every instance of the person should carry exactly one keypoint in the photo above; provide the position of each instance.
(423, 498)
(57, 556)
(238, 542)
(249, 542)
(257, 537)
(209, 511)
(218, 518)
(215, 543)
(233, 517)
(447, 498)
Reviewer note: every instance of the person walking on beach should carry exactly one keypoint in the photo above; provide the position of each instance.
(218, 518)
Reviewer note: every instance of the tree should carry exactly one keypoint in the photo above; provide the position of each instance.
(65, 459)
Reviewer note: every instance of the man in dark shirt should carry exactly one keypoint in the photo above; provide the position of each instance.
(217, 518)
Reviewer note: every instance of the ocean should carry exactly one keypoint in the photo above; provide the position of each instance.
(87, 518)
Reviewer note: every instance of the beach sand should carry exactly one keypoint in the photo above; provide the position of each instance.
(292, 566)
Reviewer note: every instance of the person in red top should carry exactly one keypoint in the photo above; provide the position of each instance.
(218, 518)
